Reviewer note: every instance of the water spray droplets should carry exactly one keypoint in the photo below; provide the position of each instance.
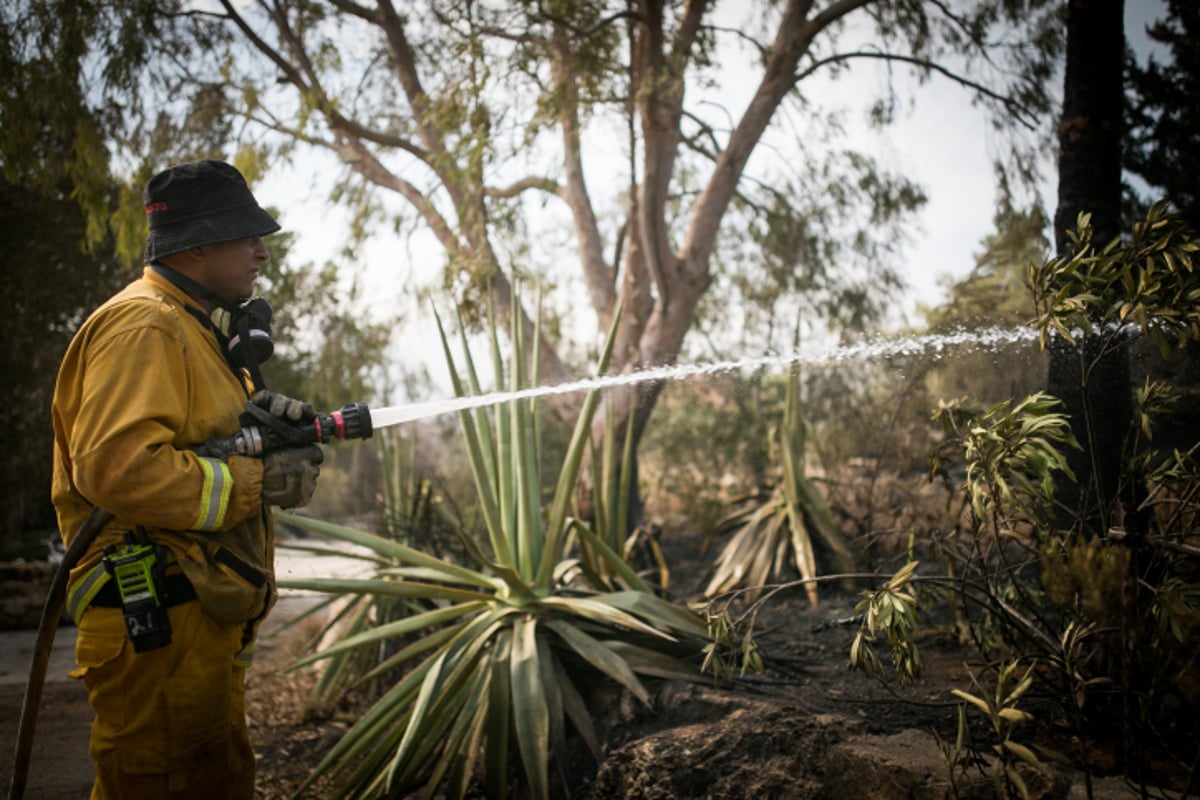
(880, 347)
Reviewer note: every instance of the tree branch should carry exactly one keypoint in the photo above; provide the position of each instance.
(1019, 112)
(832, 14)
(792, 40)
(405, 64)
(763, 52)
(596, 274)
(524, 184)
(355, 10)
(292, 75)
(307, 82)
(364, 162)
(359, 158)
(659, 81)
(704, 131)
(584, 33)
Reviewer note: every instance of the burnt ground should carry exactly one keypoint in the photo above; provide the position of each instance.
(805, 728)
(766, 736)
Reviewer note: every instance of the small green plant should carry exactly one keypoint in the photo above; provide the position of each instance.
(732, 649)
(498, 669)
(1000, 708)
(891, 610)
(1146, 285)
(955, 755)
(1012, 452)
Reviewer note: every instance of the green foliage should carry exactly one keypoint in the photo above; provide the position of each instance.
(1012, 452)
(91, 84)
(1147, 285)
(732, 648)
(789, 255)
(1110, 617)
(500, 663)
(51, 139)
(1000, 707)
(892, 610)
(53, 284)
(59, 259)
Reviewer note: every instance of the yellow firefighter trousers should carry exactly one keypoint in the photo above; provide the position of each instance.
(171, 722)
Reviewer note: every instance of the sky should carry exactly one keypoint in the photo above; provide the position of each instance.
(943, 144)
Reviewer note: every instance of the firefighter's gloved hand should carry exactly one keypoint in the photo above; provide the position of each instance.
(282, 406)
(290, 476)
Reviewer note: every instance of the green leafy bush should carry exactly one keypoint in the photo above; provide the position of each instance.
(1105, 622)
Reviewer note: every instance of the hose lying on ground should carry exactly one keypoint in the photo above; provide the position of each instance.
(56, 598)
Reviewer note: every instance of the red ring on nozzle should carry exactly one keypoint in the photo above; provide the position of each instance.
(317, 428)
(339, 422)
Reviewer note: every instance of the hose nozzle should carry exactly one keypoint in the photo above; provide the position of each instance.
(350, 422)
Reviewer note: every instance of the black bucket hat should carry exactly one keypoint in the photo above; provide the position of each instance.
(199, 203)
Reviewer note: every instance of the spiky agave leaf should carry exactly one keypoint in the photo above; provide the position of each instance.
(390, 548)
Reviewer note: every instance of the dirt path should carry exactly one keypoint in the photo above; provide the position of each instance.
(60, 768)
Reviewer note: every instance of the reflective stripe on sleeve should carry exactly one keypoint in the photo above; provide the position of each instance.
(82, 591)
(245, 657)
(214, 500)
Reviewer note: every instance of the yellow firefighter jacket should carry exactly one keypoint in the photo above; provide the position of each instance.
(142, 382)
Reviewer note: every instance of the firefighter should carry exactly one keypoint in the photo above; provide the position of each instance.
(169, 597)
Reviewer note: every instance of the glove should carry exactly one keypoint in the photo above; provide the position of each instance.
(282, 406)
(290, 476)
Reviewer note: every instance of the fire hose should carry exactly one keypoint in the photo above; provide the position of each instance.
(261, 434)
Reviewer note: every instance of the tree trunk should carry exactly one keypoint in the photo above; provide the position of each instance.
(1093, 385)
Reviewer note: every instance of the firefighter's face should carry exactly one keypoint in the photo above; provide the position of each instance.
(230, 268)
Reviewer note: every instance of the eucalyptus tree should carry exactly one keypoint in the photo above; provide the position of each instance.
(677, 155)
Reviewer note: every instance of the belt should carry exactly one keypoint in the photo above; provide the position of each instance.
(176, 590)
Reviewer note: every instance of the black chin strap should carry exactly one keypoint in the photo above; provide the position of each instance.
(240, 322)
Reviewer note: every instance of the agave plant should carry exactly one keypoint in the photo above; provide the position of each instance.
(773, 532)
(412, 512)
(501, 661)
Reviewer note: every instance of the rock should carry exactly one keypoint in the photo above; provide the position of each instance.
(905, 766)
(910, 766)
(718, 746)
